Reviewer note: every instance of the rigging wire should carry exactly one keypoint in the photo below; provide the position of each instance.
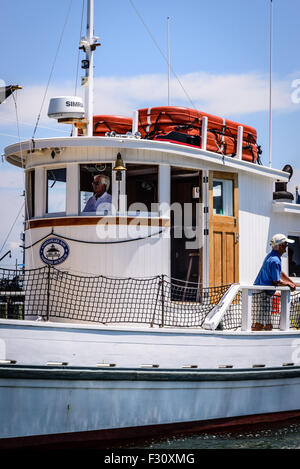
(15, 221)
(52, 68)
(23, 168)
(30, 124)
(162, 53)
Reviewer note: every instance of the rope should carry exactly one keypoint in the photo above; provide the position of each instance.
(52, 68)
(93, 242)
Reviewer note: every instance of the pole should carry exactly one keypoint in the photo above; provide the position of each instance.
(270, 86)
(168, 61)
(89, 44)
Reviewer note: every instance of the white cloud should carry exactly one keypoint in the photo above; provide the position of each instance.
(12, 179)
(218, 94)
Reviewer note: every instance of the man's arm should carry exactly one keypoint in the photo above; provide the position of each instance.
(285, 281)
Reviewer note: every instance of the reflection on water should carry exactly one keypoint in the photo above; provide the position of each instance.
(285, 437)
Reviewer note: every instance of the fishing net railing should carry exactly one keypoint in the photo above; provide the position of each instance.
(48, 293)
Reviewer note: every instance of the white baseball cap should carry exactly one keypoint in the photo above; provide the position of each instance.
(280, 239)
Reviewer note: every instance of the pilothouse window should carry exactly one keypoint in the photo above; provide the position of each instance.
(223, 197)
(95, 188)
(56, 190)
(30, 194)
(142, 189)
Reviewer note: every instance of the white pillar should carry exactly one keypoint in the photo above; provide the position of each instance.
(72, 202)
(164, 190)
(239, 149)
(135, 122)
(285, 310)
(118, 191)
(40, 192)
(204, 132)
(246, 309)
(205, 228)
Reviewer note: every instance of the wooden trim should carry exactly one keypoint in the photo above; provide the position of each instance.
(90, 221)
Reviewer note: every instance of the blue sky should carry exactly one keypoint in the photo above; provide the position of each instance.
(219, 50)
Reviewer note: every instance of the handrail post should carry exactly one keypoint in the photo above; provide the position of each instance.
(162, 301)
(246, 309)
(204, 132)
(135, 122)
(285, 303)
(239, 150)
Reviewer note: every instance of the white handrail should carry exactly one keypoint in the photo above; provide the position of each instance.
(214, 318)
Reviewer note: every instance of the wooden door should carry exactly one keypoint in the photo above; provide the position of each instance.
(223, 228)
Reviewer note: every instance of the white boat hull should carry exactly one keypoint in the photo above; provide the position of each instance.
(130, 381)
(53, 404)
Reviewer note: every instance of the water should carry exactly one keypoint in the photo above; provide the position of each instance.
(282, 437)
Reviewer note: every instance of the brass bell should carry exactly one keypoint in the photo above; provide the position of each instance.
(119, 164)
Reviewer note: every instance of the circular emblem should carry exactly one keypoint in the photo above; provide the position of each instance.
(54, 251)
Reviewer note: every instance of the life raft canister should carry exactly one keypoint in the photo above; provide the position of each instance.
(160, 123)
(106, 123)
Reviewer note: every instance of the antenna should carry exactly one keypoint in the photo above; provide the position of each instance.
(168, 19)
(270, 90)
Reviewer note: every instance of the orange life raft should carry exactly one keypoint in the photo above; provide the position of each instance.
(118, 124)
(183, 125)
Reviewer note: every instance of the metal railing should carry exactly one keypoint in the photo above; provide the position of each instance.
(50, 294)
(259, 308)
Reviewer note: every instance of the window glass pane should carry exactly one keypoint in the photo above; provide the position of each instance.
(30, 190)
(294, 257)
(223, 197)
(95, 188)
(56, 190)
(142, 188)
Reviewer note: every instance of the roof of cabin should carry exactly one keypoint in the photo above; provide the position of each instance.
(15, 153)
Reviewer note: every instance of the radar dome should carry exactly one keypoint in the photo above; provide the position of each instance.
(66, 107)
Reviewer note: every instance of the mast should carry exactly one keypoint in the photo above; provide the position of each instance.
(88, 44)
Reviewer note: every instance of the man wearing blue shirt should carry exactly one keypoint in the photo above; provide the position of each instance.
(270, 274)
